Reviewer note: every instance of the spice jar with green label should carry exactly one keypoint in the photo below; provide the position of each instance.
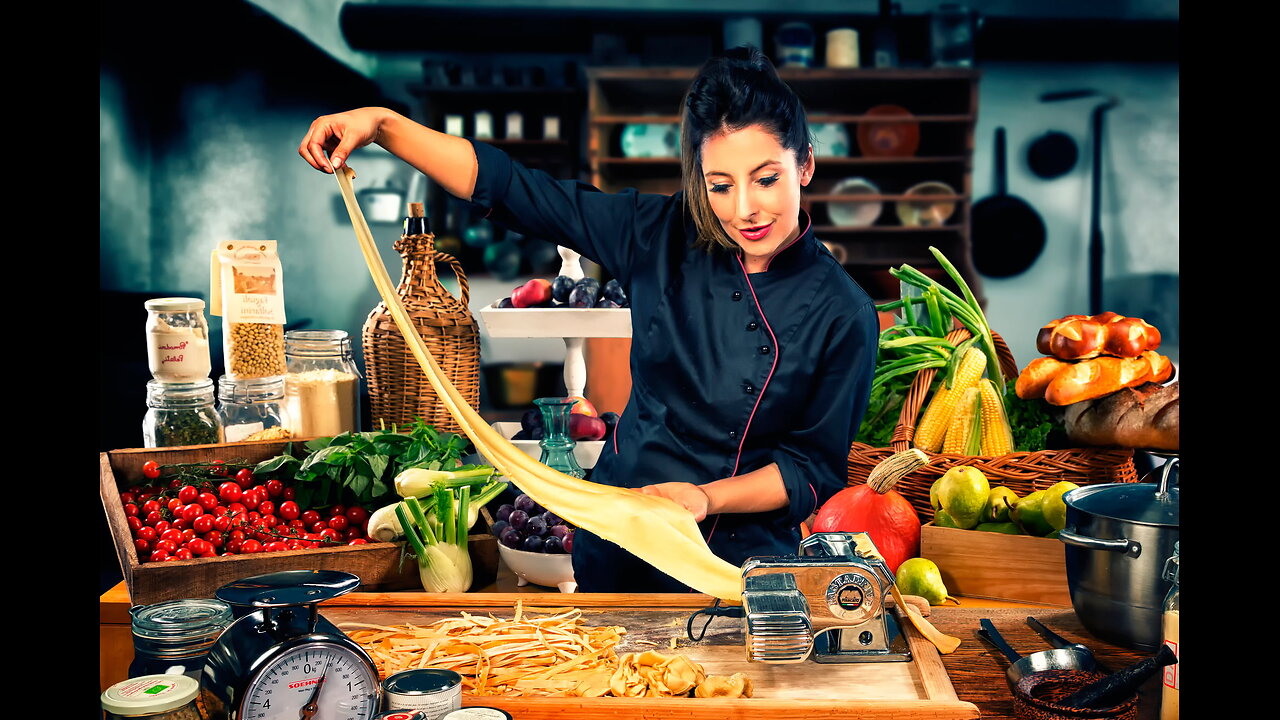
(180, 414)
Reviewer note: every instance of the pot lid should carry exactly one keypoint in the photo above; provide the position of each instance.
(1130, 502)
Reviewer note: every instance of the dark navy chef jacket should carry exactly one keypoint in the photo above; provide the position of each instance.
(730, 370)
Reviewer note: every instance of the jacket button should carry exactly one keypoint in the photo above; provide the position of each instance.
(764, 349)
(733, 434)
(737, 295)
(749, 388)
(753, 326)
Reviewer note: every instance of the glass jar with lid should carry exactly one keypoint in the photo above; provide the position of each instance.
(180, 414)
(249, 406)
(177, 339)
(322, 385)
(153, 697)
(174, 637)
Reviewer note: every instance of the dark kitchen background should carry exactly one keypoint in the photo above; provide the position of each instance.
(201, 115)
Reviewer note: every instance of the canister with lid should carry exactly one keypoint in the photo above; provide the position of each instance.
(249, 406)
(433, 690)
(322, 383)
(180, 414)
(177, 339)
(174, 637)
(154, 697)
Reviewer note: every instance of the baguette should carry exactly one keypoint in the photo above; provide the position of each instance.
(1095, 378)
(1143, 417)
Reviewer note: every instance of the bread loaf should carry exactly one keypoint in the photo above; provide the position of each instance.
(1080, 337)
(1037, 375)
(1094, 378)
(1143, 417)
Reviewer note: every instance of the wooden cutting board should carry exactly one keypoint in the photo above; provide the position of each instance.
(916, 689)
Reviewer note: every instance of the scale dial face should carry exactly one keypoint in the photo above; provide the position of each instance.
(285, 684)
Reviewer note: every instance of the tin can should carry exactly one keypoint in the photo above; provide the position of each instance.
(401, 715)
(434, 691)
(478, 713)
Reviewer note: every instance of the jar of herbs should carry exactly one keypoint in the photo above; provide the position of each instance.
(322, 386)
(180, 414)
(174, 637)
(249, 406)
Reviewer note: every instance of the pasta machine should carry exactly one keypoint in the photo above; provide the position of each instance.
(827, 600)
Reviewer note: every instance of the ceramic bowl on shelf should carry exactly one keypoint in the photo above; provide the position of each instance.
(890, 138)
(548, 569)
(829, 140)
(924, 212)
(651, 140)
(854, 213)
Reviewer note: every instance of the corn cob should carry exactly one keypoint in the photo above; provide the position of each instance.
(997, 436)
(933, 425)
(961, 427)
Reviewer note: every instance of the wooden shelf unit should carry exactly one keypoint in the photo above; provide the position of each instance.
(944, 103)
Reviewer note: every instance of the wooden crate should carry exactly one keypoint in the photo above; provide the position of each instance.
(992, 565)
(378, 565)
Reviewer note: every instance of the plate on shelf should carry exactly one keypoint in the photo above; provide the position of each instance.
(829, 139)
(925, 212)
(900, 138)
(855, 214)
(561, 322)
(651, 140)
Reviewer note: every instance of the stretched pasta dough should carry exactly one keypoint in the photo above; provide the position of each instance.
(655, 529)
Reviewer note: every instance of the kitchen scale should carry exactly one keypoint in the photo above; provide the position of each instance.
(280, 660)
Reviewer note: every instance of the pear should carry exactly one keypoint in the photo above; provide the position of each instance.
(1007, 528)
(920, 576)
(999, 502)
(963, 492)
(1028, 513)
(933, 495)
(1055, 508)
(942, 519)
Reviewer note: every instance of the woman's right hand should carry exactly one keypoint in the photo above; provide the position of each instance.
(332, 138)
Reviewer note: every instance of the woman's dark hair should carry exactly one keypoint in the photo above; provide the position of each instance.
(736, 90)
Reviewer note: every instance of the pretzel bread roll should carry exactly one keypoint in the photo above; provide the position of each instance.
(1161, 366)
(1077, 339)
(1046, 332)
(1130, 337)
(1096, 377)
(1037, 375)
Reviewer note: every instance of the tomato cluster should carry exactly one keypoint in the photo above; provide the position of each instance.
(209, 511)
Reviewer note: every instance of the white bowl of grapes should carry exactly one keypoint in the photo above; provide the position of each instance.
(535, 544)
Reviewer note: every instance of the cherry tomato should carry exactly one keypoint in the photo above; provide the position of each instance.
(270, 521)
(330, 535)
(316, 527)
(250, 499)
(275, 488)
(188, 535)
(175, 483)
(214, 538)
(244, 476)
(289, 493)
(181, 523)
(130, 510)
(357, 515)
(202, 524)
(151, 469)
(135, 525)
(234, 546)
(207, 500)
(150, 506)
(288, 510)
(353, 534)
(339, 523)
(220, 511)
(251, 546)
(183, 553)
(159, 556)
(152, 518)
(217, 468)
(172, 535)
(174, 504)
(128, 497)
(187, 494)
(167, 546)
(237, 508)
(275, 546)
(229, 492)
(192, 511)
(222, 523)
(309, 517)
(147, 533)
(337, 510)
(267, 507)
(162, 525)
(253, 516)
(357, 541)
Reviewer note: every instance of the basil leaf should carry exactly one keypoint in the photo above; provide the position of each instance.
(286, 464)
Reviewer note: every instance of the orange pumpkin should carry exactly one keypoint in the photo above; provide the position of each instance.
(884, 514)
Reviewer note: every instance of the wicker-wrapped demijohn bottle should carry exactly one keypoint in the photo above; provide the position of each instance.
(399, 390)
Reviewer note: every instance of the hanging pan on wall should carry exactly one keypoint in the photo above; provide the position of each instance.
(1008, 234)
(1052, 155)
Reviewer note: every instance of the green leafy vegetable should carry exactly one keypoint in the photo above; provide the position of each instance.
(1030, 421)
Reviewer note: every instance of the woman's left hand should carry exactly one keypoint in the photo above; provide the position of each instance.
(687, 495)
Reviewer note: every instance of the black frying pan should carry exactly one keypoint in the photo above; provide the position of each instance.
(1008, 234)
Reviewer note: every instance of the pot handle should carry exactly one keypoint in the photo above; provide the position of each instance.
(1132, 548)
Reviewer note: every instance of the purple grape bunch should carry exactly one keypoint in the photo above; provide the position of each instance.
(526, 525)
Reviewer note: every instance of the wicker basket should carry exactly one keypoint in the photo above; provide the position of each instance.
(1021, 472)
(399, 390)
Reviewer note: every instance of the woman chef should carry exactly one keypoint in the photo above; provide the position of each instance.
(752, 349)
